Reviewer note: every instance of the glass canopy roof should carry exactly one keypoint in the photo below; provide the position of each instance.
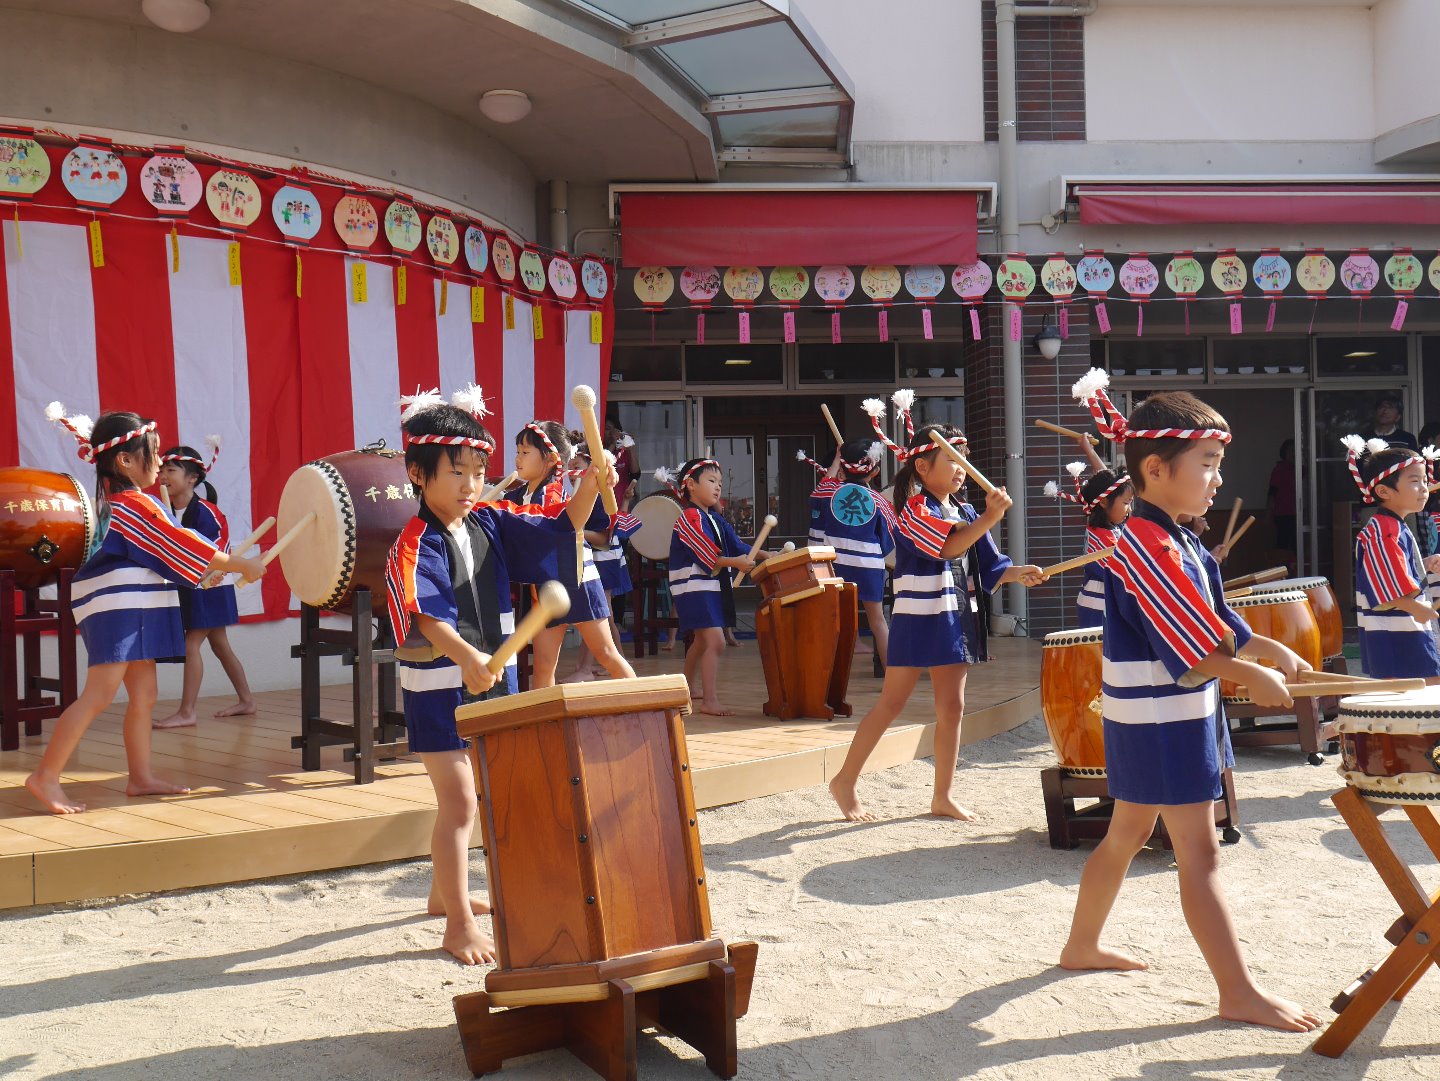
(756, 69)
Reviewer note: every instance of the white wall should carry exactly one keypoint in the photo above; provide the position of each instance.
(916, 66)
(1407, 33)
(1207, 73)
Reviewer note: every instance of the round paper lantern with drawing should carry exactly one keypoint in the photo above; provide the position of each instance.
(743, 284)
(1403, 272)
(171, 184)
(25, 167)
(654, 285)
(594, 279)
(442, 240)
(1138, 276)
(92, 172)
(477, 249)
(561, 275)
(1184, 274)
(924, 282)
(1360, 273)
(402, 226)
(356, 222)
(972, 281)
(234, 198)
(1058, 277)
(1271, 272)
(1229, 274)
(532, 270)
(881, 282)
(1096, 274)
(1315, 273)
(1016, 277)
(789, 284)
(834, 284)
(296, 212)
(502, 254)
(700, 284)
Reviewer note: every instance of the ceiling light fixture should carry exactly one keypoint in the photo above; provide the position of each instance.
(1360, 353)
(737, 362)
(177, 16)
(505, 106)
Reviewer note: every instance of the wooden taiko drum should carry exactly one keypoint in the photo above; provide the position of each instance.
(1322, 603)
(1285, 617)
(804, 568)
(1390, 746)
(1070, 670)
(362, 500)
(47, 523)
(658, 514)
(805, 626)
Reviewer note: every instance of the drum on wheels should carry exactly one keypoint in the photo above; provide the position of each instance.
(658, 514)
(1070, 699)
(47, 523)
(1322, 603)
(1284, 616)
(1390, 746)
(362, 500)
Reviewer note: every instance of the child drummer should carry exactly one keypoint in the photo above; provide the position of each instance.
(1106, 499)
(1169, 636)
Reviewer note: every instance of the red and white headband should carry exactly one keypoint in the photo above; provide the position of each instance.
(903, 400)
(468, 398)
(211, 441)
(539, 429)
(1090, 390)
(1357, 448)
(1075, 469)
(80, 426)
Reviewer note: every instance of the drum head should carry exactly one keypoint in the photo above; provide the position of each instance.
(1074, 636)
(318, 566)
(658, 514)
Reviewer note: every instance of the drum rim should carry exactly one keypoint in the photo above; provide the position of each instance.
(88, 510)
(334, 482)
(1398, 789)
(1254, 600)
(668, 497)
(1074, 634)
(1284, 585)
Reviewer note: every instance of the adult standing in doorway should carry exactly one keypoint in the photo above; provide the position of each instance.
(1280, 498)
(1387, 424)
(627, 465)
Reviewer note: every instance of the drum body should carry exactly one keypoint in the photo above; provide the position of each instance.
(362, 500)
(1285, 617)
(658, 514)
(803, 568)
(1070, 699)
(1390, 746)
(1322, 603)
(47, 523)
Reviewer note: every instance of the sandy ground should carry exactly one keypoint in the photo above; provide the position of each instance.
(906, 949)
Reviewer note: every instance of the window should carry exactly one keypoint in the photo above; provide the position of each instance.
(847, 363)
(1361, 357)
(734, 363)
(1260, 356)
(932, 360)
(1157, 356)
(645, 364)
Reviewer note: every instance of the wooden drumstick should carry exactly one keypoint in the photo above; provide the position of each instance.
(244, 546)
(583, 399)
(1071, 432)
(1259, 577)
(1236, 594)
(1315, 675)
(551, 602)
(964, 462)
(1078, 561)
(1390, 606)
(165, 498)
(289, 538)
(492, 494)
(769, 524)
(1239, 533)
(1234, 515)
(1353, 686)
(834, 428)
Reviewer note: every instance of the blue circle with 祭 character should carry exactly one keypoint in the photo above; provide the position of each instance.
(853, 504)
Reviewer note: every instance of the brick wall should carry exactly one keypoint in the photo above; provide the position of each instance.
(1049, 77)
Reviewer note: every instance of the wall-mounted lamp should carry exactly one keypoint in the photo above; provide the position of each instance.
(1047, 341)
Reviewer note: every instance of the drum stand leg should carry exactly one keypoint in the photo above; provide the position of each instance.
(1416, 935)
(1068, 827)
(23, 683)
(1305, 731)
(9, 675)
(602, 1034)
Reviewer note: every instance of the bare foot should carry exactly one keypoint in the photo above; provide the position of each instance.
(153, 786)
(467, 943)
(666, 647)
(848, 800)
(1081, 959)
(52, 796)
(478, 907)
(176, 720)
(945, 807)
(715, 709)
(578, 677)
(239, 709)
(1262, 1008)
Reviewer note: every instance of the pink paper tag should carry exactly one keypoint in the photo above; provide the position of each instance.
(1401, 307)
(700, 329)
(1237, 321)
(789, 321)
(834, 328)
(1016, 325)
(1139, 320)
(1102, 318)
(1270, 318)
(744, 328)
(975, 323)
(927, 324)
(884, 324)
(1064, 323)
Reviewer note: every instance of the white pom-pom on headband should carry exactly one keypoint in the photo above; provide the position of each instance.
(1357, 448)
(471, 399)
(1090, 389)
(903, 400)
(411, 405)
(801, 456)
(1076, 471)
(82, 427)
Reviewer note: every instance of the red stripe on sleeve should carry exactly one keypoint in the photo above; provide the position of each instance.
(691, 531)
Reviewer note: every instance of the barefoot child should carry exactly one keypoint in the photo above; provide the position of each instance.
(1106, 499)
(1169, 636)
(1398, 642)
(204, 613)
(448, 577)
(542, 448)
(703, 546)
(935, 624)
(125, 600)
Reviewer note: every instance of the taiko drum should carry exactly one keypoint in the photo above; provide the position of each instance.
(1285, 617)
(1322, 604)
(1070, 699)
(47, 523)
(800, 569)
(1390, 746)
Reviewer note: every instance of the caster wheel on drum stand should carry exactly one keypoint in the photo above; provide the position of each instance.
(1230, 836)
(1333, 747)
(1315, 758)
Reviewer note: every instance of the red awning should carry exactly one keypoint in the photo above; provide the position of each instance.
(1258, 204)
(799, 228)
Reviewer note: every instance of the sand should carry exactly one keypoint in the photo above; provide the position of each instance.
(909, 949)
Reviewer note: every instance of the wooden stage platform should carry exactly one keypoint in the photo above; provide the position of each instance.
(255, 814)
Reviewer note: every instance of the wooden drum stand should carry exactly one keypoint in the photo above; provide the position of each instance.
(597, 881)
(806, 625)
(24, 703)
